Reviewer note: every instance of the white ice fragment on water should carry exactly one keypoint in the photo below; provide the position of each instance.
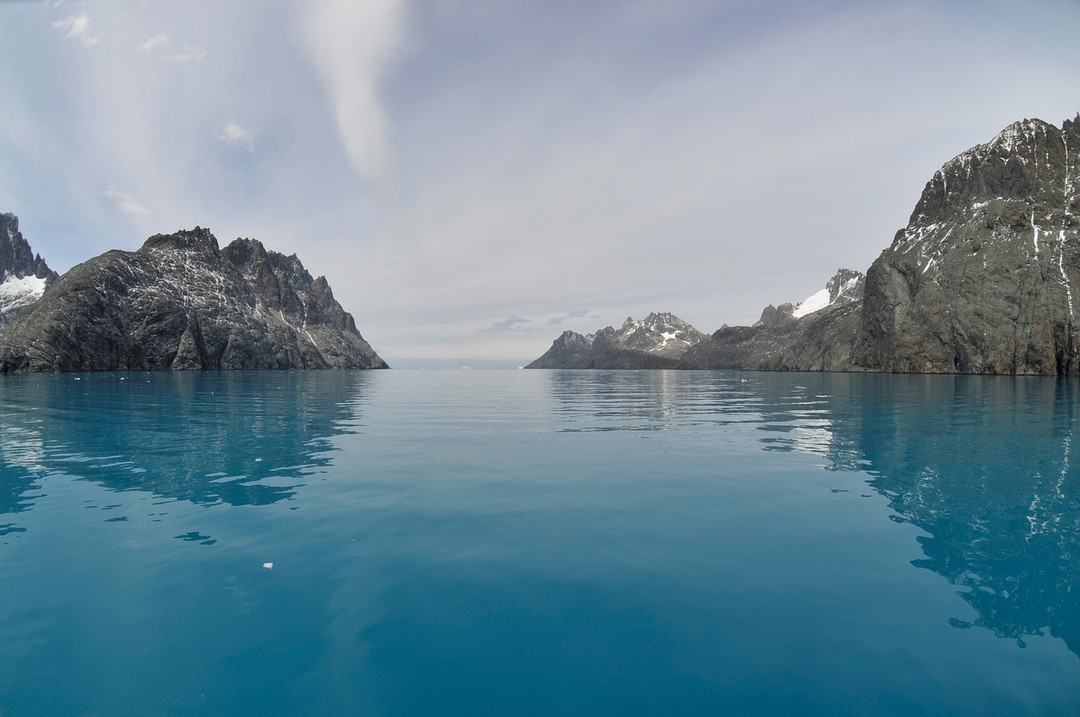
(268, 566)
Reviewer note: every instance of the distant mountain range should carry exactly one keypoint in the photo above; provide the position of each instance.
(657, 341)
(983, 279)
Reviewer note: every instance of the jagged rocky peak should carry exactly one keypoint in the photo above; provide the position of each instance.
(181, 303)
(772, 316)
(657, 341)
(845, 286)
(24, 275)
(664, 334)
(16, 257)
(983, 279)
(570, 350)
(1026, 162)
(197, 240)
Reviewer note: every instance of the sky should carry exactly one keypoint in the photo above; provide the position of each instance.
(475, 177)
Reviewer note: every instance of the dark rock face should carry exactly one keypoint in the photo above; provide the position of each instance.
(24, 275)
(982, 280)
(570, 350)
(984, 277)
(815, 336)
(657, 341)
(181, 303)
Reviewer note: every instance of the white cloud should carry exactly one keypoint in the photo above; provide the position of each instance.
(351, 43)
(188, 55)
(77, 27)
(126, 204)
(155, 42)
(233, 133)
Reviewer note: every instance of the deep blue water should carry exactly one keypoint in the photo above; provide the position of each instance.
(538, 543)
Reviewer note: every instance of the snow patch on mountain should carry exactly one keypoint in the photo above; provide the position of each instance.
(815, 302)
(19, 291)
(844, 287)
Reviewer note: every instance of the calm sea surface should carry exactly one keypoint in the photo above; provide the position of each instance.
(538, 543)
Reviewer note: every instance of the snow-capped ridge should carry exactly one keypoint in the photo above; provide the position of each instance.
(657, 341)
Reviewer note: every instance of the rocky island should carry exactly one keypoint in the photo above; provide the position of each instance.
(182, 303)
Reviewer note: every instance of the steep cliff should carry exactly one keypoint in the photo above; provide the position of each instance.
(181, 303)
(984, 278)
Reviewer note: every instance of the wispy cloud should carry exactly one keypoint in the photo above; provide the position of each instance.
(155, 42)
(233, 133)
(126, 204)
(188, 54)
(556, 320)
(77, 27)
(505, 325)
(351, 43)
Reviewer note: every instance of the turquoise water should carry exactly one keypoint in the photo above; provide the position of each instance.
(538, 543)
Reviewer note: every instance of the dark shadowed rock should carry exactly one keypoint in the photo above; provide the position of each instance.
(181, 303)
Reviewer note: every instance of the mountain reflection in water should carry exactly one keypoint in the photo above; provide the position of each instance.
(240, 438)
(982, 464)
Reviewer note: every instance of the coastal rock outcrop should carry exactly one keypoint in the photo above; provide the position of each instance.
(182, 303)
(657, 341)
(985, 278)
(23, 274)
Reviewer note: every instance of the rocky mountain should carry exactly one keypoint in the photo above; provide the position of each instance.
(180, 302)
(814, 335)
(23, 274)
(657, 341)
(984, 278)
